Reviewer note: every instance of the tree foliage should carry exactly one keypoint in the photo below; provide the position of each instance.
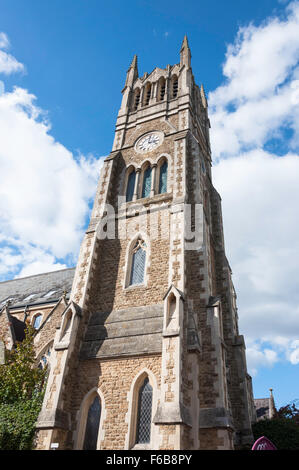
(282, 429)
(21, 394)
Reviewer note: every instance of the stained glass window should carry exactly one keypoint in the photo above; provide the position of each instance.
(147, 182)
(131, 186)
(144, 418)
(92, 425)
(138, 263)
(163, 178)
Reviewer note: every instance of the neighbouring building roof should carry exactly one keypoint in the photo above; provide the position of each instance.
(262, 406)
(37, 289)
(265, 407)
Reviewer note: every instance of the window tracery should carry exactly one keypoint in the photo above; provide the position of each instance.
(144, 414)
(138, 262)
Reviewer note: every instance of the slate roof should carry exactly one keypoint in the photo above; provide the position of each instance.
(37, 289)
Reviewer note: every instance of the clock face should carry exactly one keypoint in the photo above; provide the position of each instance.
(149, 142)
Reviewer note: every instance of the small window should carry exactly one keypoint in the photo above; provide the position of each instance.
(147, 182)
(163, 178)
(37, 321)
(29, 297)
(131, 186)
(144, 417)
(138, 263)
(92, 425)
(44, 360)
(50, 293)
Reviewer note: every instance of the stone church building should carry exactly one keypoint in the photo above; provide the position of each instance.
(141, 339)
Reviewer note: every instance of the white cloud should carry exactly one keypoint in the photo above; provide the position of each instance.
(4, 41)
(45, 190)
(293, 352)
(8, 63)
(257, 98)
(258, 357)
(256, 106)
(44, 193)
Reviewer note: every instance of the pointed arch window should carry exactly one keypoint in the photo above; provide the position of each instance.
(37, 321)
(163, 178)
(138, 263)
(131, 186)
(92, 425)
(147, 182)
(144, 417)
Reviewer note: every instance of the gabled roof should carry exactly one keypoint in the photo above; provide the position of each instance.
(37, 289)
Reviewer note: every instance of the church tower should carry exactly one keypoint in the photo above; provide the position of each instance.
(148, 353)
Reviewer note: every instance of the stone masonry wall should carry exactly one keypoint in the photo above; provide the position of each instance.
(114, 379)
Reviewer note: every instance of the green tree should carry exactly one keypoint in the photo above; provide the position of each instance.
(21, 394)
(282, 429)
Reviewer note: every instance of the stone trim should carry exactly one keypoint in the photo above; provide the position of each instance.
(173, 413)
(55, 418)
(217, 417)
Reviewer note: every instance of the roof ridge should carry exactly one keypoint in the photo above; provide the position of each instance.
(36, 275)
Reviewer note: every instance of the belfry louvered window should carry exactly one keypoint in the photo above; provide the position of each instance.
(147, 94)
(136, 99)
(138, 263)
(162, 89)
(92, 425)
(163, 178)
(175, 86)
(130, 186)
(147, 182)
(144, 417)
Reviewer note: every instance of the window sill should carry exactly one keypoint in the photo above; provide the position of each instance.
(147, 200)
(141, 447)
(135, 286)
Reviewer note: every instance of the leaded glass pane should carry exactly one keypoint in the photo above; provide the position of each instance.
(92, 425)
(163, 178)
(144, 419)
(147, 182)
(138, 265)
(131, 186)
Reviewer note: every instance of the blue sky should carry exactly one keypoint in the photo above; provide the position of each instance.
(62, 68)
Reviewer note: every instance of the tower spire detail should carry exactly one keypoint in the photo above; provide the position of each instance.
(185, 53)
(203, 96)
(132, 73)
